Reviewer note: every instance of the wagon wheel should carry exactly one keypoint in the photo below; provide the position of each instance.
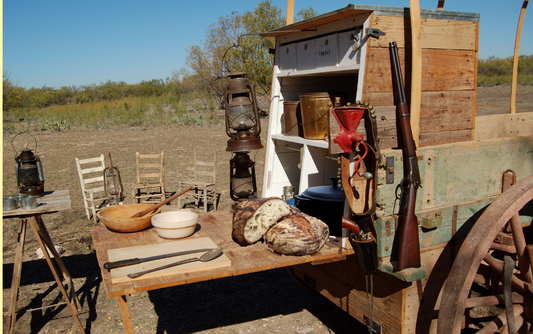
(481, 250)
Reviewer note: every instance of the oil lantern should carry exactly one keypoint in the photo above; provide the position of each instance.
(113, 184)
(242, 115)
(29, 172)
(243, 127)
(242, 177)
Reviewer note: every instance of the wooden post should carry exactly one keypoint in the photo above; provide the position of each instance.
(440, 5)
(516, 55)
(416, 66)
(290, 11)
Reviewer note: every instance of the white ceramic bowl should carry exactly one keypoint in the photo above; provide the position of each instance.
(175, 224)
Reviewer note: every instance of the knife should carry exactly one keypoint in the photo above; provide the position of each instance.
(128, 262)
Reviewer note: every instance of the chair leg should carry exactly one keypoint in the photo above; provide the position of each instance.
(87, 213)
(205, 199)
(214, 194)
(95, 219)
(179, 198)
(134, 196)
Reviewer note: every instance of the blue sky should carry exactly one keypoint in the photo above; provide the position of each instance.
(72, 43)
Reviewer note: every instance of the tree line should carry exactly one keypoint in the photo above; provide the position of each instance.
(231, 44)
(18, 97)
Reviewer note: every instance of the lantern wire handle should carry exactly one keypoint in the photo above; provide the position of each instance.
(22, 133)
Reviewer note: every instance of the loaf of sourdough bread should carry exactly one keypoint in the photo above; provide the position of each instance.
(297, 234)
(253, 218)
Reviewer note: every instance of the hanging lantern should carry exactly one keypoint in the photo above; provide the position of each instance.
(29, 171)
(242, 177)
(242, 115)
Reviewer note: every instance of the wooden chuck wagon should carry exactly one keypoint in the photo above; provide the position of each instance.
(474, 242)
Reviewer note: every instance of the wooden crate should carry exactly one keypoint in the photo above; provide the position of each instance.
(449, 66)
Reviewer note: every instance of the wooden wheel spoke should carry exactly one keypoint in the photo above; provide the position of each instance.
(497, 265)
(486, 234)
(501, 320)
(492, 300)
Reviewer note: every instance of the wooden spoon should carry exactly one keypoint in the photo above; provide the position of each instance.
(155, 206)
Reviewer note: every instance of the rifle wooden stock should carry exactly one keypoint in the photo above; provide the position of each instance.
(408, 247)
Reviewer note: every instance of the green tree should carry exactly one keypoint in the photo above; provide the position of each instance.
(11, 93)
(305, 14)
(255, 54)
(234, 44)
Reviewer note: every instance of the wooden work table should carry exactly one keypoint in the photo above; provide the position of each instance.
(217, 226)
(50, 202)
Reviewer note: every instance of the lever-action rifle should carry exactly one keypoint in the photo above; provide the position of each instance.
(406, 239)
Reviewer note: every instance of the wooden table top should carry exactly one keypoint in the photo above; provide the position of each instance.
(52, 201)
(217, 226)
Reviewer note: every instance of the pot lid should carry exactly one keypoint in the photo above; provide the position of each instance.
(331, 193)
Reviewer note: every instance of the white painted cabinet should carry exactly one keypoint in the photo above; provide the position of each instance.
(325, 56)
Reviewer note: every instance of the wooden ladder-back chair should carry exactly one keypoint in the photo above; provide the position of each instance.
(91, 174)
(204, 183)
(150, 186)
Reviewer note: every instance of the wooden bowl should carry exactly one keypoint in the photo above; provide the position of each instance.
(117, 218)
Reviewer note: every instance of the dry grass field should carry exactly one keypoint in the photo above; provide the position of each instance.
(268, 302)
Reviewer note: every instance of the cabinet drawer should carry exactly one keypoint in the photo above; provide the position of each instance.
(287, 57)
(334, 50)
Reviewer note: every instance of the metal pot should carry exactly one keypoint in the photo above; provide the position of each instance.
(324, 203)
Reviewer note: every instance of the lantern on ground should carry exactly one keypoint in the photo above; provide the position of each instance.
(29, 171)
(113, 184)
(243, 127)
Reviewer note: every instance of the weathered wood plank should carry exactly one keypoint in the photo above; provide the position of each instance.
(445, 137)
(436, 34)
(507, 125)
(441, 70)
(56, 200)
(343, 283)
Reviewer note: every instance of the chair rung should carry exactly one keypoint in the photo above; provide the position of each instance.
(94, 179)
(92, 170)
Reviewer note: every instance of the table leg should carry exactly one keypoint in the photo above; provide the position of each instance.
(15, 280)
(45, 236)
(125, 314)
(44, 240)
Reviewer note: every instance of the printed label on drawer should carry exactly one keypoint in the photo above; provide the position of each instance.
(326, 51)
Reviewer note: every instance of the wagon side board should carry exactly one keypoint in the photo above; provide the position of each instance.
(399, 306)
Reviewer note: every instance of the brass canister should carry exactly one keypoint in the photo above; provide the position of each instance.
(315, 114)
(292, 117)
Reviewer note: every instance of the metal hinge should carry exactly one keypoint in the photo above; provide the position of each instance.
(373, 32)
(376, 328)
(389, 168)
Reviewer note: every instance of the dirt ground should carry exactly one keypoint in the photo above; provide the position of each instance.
(267, 302)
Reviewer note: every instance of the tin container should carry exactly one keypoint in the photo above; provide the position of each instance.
(29, 202)
(10, 202)
(292, 116)
(315, 114)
